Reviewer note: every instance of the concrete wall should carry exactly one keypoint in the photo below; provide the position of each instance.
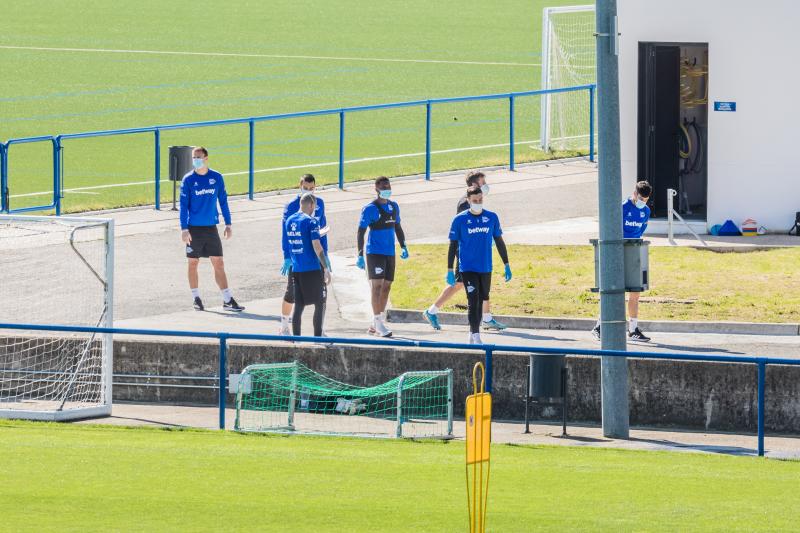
(717, 396)
(752, 167)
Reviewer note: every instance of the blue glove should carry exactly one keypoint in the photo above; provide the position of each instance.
(360, 262)
(451, 278)
(404, 253)
(508, 272)
(328, 263)
(287, 264)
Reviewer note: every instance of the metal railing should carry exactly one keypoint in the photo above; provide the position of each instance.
(57, 140)
(488, 351)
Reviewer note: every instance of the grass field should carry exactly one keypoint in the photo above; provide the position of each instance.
(94, 478)
(685, 284)
(82, 66)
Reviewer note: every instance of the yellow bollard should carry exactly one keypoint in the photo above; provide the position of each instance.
(479, 437)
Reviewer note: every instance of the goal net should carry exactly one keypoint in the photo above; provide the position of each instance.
(292, 398)
(568, 60)
(55, 271)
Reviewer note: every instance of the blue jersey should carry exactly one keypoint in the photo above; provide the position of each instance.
(294, 207)
(381, 220)
(199, 197)
(634, 220)
(475, 235)
(301, 230)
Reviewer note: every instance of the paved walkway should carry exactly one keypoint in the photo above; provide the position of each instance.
(502, 432)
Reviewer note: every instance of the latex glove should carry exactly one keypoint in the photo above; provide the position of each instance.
(508, 272)
(404, 253)
(328, 263)
(287, 264)
(451, 278)
(360, 262)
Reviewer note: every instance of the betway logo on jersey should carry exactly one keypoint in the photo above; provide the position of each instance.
(201, 192)
(633, 223)
(484, 229)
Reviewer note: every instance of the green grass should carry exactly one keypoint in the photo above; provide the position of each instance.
(685, 284)
(53, 92)
(81, 478)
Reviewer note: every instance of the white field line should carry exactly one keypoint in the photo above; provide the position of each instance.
(273, 56)
(293, 167)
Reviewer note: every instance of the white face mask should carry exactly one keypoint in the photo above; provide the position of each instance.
(640, 203)
(475, 209)
(485, 189)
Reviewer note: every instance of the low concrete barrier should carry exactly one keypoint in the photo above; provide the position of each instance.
(702, 395)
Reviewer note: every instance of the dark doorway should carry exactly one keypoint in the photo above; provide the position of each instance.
(672, 125)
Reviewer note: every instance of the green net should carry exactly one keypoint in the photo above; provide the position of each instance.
(290, 397)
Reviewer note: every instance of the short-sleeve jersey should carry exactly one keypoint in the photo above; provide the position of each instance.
(301, 230)
(475, 235)
(634, 220)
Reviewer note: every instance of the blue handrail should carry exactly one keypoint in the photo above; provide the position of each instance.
(487, 349)
(57, 140)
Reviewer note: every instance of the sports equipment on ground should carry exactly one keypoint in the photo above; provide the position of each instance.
(568, 59)
(292, 398)
(55, 271)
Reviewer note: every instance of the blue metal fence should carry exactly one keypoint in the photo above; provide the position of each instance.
(57, 140)
(488, 351)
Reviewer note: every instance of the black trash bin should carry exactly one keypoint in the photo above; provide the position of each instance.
(547, 385)
(180, 164)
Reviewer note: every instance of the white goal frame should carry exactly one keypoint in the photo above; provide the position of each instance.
(103, 408)
(547, 44)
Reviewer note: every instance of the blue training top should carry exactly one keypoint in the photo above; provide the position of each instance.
(300, 230)
(199, 197)
(634, 220)
(294, 207)
(475, 235)
(381, 220)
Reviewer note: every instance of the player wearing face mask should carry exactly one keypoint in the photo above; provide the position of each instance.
(431, 314)
(471, 236)
(635, 215)
(382, 218)
(307, 185)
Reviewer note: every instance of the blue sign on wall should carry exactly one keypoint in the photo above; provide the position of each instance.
(724, 106)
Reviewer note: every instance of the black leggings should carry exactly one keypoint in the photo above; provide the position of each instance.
(477, 285)
(309, 288)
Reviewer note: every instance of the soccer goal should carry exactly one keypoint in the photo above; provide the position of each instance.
(292, 398)
(55, 270)
(568, 60)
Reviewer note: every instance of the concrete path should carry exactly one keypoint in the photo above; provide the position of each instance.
(502, 432)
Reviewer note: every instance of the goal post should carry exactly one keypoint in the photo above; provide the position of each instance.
(292, 398)
(568, 60)
(56, 271)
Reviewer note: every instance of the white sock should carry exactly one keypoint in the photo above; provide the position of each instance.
(195, 293)
(487, 317)
(379, 317)
(476, 338)
(433, 310)
(226, 295)
(285, 319)
(634, 323)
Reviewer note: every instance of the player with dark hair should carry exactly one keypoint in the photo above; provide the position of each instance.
(382, 217)
(488, 322)
(201, 190)
(308, 185)
(635, 215)
(471, 235)
(309, 270)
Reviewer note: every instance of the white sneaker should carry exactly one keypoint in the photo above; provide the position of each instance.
(381, 330)
(475, 338)
(285, 330)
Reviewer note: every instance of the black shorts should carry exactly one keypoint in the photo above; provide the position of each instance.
(380, 267)
(288, 296)
(477, 281)
(309, 287)
(205, 242)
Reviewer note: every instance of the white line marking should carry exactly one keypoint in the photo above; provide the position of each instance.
(278, 169)
(273, 56)
(295, 167)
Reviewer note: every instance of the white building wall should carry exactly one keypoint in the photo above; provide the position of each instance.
(754, 60)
